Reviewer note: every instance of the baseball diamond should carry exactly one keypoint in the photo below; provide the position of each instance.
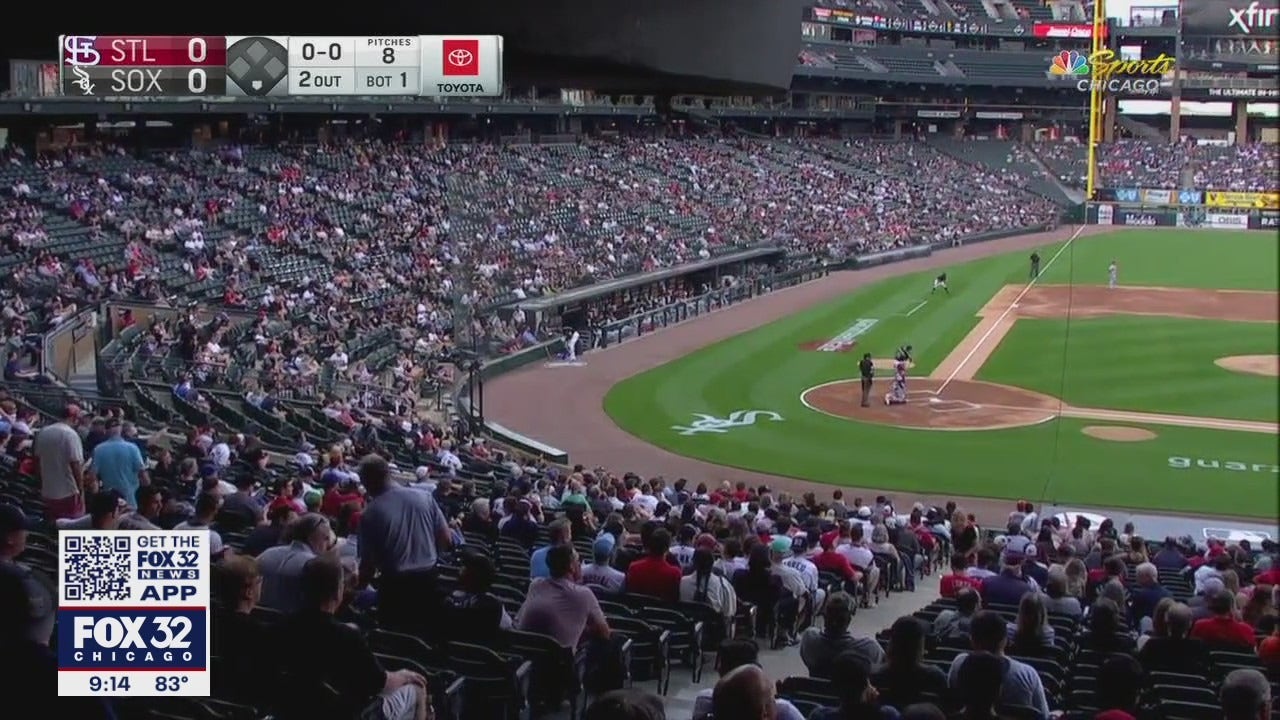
(1059, 387)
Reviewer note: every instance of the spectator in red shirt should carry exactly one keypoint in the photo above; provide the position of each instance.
(653, 574)
(1222, 627)
(951, 584)
(831, 561)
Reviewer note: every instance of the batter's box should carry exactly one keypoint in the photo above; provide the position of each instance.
(928, 395)
(946, 405)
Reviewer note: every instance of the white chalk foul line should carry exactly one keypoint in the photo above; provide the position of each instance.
(982, 340)
(913, 310)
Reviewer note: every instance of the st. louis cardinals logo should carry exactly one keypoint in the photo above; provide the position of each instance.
(704, 423)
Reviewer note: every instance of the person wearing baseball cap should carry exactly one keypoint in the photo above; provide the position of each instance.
(808, 571)
(29, 609)
(600, 572)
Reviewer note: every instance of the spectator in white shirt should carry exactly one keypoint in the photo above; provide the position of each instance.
(708, 587)
(807, 570)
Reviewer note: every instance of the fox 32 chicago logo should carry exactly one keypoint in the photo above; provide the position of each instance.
(133, 613)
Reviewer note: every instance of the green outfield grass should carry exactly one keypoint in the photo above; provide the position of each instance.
(1162, 365)
(765, 369)
(1173, 258)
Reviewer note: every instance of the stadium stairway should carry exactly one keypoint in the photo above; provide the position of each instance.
(1002, 156)
(1141, 130)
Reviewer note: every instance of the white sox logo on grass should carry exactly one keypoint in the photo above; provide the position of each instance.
(704, 423)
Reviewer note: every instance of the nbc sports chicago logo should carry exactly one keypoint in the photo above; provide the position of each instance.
(1104, 72)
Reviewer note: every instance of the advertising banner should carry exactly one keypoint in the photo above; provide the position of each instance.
(1190, 197)
(1226, 221)
(1145, 218)
(938, 114)
(1264, 220)
(1079, 31)
(1230, 18)
(1242, 200)
(1106, 214)
(1157, 197)
(1128, 195)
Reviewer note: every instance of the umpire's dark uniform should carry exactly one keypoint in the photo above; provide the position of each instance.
(1035, 265)
(867, 370)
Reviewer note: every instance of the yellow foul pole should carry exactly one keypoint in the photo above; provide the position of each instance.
(1098, 42)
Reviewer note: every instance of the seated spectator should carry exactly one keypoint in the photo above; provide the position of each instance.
(1119, 684)
(237, 637)
(1176, 650)
(600, 572)
(557, 606)
(1157, 624)
(858, 699)
(1016, 682)
(1221, 627)
(744, 693)
(316, 648)
(759, 585)
(1245, 695)
(273, 533)
(472, 612)
(281, 566)
(1106, 630)
(626, 704)
(1010, 585)
(1269, 648)
(206, 510)
(819, 647)
(1056, 598)
(954, 624)
(1030, 633)
(1259, 605)
(904, 678)
(558, 534)
(732, 655)
(654, 574)
(952, 582)
(1147, 593)
(708, 587)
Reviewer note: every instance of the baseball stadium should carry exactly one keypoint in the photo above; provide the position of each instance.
(831, 360)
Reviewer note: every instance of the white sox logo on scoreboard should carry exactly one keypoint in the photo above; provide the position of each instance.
(274, 66)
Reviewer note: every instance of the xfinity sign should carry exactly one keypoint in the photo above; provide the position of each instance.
(1254, 17)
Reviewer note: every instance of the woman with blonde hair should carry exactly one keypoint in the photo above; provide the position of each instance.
(1031, 631)
(1158, 624)
(1137, 552)
(1077, 577)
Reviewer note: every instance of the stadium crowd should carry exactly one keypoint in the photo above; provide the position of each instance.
(395, 566)
(1131, 163)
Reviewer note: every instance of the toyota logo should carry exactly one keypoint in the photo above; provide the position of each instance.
(460, 58)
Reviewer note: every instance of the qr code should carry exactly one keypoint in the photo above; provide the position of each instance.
(96, 568)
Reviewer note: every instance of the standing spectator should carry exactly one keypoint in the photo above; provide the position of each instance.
(59, 455)
(402, 532)
(118, 464)
(819, 647)
(1020, 683)
(281, 566)
(1222, 627)
(316, 647)
(557, 606)
(653, 574)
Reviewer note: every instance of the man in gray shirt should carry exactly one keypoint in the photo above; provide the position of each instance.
(281, 566)
(820, 647)
(402, 532)
(1021, 684)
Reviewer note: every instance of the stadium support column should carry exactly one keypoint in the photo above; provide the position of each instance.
(1175, 118)
(1241, 111)
(1096, 105)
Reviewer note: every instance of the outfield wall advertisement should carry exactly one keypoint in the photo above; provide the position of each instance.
(1146, 217)
(1161, 197)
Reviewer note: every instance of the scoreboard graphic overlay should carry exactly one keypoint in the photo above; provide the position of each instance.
(275, 66)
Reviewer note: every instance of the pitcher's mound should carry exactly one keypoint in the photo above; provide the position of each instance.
(961, 405)
(1118, 433)
(1268, 365)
